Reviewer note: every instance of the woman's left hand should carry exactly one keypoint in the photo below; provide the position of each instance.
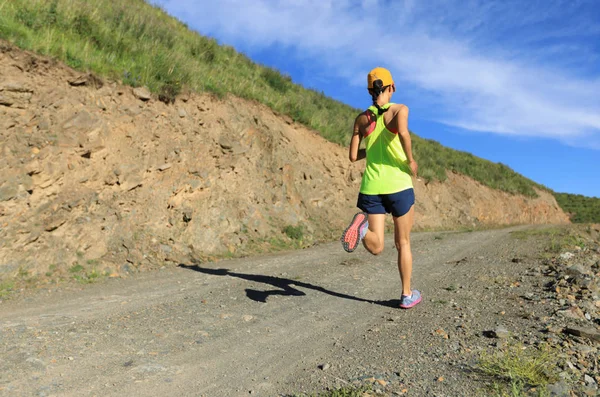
(414, 167)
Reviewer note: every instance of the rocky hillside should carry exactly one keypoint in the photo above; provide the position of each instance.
(98, 174)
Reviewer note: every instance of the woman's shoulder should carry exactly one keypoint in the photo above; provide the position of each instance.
(364, 117)
(398, 107)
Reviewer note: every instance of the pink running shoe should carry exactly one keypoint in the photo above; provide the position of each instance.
(355, 232)
(406, 302)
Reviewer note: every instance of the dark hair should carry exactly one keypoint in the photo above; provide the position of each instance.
(377, 89)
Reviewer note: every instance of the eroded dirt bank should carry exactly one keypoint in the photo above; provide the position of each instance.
(100, 175)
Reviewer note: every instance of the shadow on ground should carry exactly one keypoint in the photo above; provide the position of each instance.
(285, 286)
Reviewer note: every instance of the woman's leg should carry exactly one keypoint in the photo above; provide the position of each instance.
(402, 228)
(373, 240)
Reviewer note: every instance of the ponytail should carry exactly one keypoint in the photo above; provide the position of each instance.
(377, 89)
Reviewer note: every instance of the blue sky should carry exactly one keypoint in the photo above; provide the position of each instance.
(516, 82)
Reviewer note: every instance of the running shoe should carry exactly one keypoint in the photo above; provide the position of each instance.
(406, 302)
(355, 232)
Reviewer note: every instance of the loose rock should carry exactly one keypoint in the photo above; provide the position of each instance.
(588, 333)
(142, 93)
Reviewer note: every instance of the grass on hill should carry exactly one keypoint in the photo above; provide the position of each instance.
(139, 44)
(581, 208)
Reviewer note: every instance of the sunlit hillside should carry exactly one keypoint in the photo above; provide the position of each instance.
(140, 45)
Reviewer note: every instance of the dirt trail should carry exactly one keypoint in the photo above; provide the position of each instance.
(259, 325)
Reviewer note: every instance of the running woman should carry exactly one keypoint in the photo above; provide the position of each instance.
(386, 183)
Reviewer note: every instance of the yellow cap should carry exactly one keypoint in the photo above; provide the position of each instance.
(379, 74)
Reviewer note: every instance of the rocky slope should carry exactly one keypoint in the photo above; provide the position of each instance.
(101, 175)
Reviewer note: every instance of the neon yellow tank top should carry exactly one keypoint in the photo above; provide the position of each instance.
(387, 171)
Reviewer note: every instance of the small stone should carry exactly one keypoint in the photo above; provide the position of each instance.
(530, 296)
(78, 81)
(554, 329)
(182, 113)
(572, 312)
(8, 192)
(576, 270)
(558, 389)
(589, 380)
(590, 285)
(455, 346)
(187, 215)
(381, 382)
(165, 167)
(36, 362)
(440, 379)
(101, 104)
(131, 110)
(247, 318)
(54, 222)
(5, 101)
(142, 93)
(584, 349)
(325, 366)
(565, 256)
(225, 143)
(441, 333)
(34, 167)
(499, 333)
(16, 87)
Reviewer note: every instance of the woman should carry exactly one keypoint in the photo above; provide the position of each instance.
(386, 184)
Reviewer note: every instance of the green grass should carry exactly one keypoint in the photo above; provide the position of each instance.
(139, 44)
(76, 268)
(6, 287)
(89, 277)
(347, 391)
(23, 278)
(582, 209)
(557, 238)
(84, 275)
(276, 244)
(294, 232)
(516, 371)
(51, 270)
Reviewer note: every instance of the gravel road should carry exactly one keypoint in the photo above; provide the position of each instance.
(296, 322)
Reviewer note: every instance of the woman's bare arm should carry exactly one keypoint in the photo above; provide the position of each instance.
(355, 153)
(401, 120)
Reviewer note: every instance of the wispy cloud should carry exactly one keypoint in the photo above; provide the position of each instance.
(490, 64)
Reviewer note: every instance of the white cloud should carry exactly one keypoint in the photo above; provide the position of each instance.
(455, 52)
